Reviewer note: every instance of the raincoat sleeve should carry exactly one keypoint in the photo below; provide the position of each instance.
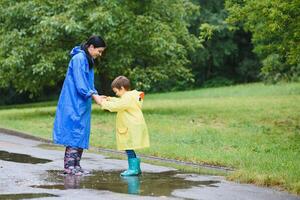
(94, 89)
(116, 104)
(113, 99)
(80, 78)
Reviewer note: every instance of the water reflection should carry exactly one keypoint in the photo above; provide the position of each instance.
(133, 184)
(21, 158)
(72, 182)
(150, 184)
(25, 196)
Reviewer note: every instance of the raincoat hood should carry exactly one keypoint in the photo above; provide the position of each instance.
(137, 96)
(76, 50)
(82, 49)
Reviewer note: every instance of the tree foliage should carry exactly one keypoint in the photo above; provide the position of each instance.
(275, 25)
(147, 41)
(161, 45)
(227, 52)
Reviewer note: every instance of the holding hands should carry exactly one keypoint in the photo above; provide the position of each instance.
(99, 98)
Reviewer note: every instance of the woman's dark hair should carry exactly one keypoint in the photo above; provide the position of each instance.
(96, 41)
(121, 81)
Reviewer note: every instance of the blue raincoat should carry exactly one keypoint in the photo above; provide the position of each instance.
(73, 114)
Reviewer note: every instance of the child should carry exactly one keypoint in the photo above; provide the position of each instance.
(131, 129)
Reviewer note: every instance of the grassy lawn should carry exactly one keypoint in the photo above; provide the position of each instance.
(253, 128)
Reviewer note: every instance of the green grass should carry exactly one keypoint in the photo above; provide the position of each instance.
(253, 128)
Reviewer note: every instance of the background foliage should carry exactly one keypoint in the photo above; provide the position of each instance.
(276, 34)
(160, 45)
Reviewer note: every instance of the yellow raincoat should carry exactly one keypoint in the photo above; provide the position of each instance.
(131, 129)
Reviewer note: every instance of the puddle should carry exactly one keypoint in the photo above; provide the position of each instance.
(148, 184)
(25, 196)
(21, 158)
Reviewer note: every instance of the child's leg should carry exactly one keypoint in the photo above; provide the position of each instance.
(130, 154)
(133, 164)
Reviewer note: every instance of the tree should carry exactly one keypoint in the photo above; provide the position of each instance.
(276, 34)
(226, 55)
(147, 41)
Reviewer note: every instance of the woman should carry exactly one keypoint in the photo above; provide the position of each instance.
(73, 114)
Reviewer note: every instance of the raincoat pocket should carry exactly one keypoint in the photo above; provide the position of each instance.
(122, 131)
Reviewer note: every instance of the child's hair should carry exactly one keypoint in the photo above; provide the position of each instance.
(121, 81)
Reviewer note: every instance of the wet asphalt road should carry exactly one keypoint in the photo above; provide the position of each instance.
(28, 171)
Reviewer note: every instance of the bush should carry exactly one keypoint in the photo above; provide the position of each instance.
(161, 79)
(275, 69)
(217, 82)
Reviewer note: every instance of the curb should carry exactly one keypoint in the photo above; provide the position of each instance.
(23, 135)
(99, 149)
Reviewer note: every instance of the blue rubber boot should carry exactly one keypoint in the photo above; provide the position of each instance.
(133, 167)
(139, 165)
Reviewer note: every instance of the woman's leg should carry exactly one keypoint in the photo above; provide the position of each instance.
(72, 156)
(77, 162)
(69, 160)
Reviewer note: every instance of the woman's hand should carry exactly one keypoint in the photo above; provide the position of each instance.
(99, 99)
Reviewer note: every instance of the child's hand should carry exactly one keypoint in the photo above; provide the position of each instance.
(99, 99)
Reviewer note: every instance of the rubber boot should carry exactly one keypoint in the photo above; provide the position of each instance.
(77, 163)
(133, 167)
(139, 165)
(71, 157)
(69, 161)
